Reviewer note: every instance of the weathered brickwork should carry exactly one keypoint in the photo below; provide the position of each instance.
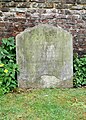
(17, 15)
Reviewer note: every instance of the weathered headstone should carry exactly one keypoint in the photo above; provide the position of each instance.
(45, 56)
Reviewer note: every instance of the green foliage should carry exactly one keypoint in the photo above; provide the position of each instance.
(8, 66)
(79, 71)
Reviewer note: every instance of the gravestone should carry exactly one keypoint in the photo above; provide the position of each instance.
(45, 56)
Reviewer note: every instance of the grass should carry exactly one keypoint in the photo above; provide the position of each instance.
(45, 104)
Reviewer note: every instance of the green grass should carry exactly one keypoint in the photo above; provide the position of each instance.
(45, 104)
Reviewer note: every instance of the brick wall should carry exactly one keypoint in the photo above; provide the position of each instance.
(17, 15)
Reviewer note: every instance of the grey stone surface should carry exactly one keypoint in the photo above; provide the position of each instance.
(45, 56)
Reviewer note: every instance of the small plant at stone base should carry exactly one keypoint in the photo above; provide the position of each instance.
(79, 71)
(8, 66)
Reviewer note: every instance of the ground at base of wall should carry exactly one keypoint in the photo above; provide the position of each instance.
(44, 104)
